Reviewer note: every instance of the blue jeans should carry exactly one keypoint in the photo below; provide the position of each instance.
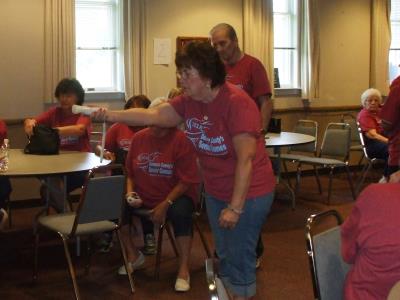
(235, 247)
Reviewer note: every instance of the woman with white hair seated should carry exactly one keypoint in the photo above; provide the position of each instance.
(371, 125)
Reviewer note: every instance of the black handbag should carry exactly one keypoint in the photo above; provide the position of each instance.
(44, 140)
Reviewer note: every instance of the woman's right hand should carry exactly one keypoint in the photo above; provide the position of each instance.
(28, 126)
(99, 115)
(109, 155)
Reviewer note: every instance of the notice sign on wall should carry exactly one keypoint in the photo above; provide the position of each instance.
(162, 51)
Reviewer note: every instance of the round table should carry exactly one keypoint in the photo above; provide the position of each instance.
(285, 139)
(21, 164)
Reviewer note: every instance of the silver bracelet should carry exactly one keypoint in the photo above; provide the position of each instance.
(235, 210)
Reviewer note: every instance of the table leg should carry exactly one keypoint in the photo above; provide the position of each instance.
(277, 151)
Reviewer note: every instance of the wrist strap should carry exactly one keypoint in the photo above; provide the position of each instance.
(235, 210)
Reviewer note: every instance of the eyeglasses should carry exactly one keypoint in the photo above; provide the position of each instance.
(186, 73)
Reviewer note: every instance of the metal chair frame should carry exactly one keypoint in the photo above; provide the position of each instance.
(83, 216)
(310, 246)
(370, 161)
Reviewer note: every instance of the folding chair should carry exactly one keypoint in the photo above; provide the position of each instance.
(101, 200)
(355, 145)
(370, 161)
(295, 153)
(328, 270)
(144, 213)
(334, 152)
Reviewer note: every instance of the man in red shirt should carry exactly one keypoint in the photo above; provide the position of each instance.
(247, 73)
(243, 70)
(390, 115)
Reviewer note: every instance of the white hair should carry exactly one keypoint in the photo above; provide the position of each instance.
(157, 101)
(368, 93)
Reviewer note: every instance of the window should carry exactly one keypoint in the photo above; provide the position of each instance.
(98, 50)
(394, 52)
(286, 53)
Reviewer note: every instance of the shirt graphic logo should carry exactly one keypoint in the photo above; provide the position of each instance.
(198, 133)
(147, 162)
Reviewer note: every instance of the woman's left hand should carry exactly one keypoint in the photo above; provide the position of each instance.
(228, 219)
(158, 213)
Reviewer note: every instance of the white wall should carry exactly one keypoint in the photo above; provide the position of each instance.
(345, 30)
(345, 51)
(173, 18)
(21, 58)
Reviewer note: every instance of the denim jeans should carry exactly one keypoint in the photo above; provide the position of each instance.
(235, 247)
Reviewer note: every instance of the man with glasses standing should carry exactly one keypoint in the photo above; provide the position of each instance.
(247, 73)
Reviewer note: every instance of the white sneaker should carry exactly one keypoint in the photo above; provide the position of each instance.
(182, 285)
(132, 266)
(382, 180)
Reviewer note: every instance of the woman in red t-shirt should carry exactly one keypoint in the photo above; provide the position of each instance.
(74, 131)
(162, 172)
(371, 125)
(5, 185)
(224, 125)
(119, 135)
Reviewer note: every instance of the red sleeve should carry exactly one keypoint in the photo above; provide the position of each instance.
(349, 233)
(47, 118)
(3, 131)
(261, 85)
(247, 112)
(186, 166)
(367, 122)
(390, 111)
(178, 103)
(111, 138)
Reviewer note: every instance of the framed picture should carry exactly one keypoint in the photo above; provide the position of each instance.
(181, 41)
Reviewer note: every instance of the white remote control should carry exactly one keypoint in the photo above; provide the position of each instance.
(85, 110)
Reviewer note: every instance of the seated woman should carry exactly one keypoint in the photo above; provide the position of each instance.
(5, 185)
(162, 171)
(371, 242)
(74, 131)
(371, 125)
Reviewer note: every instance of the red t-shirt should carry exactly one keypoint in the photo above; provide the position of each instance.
(55, 117)
(3, 131)
(249, 75)
(371, 242)
(369, 120)
(119, 136)
(395, 82)
(158, 164)
(390, 112)
(211, 128)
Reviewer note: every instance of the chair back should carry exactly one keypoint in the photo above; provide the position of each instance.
(336, 141)
(102, 196)
(324, 251)
(308, 127)
(362, 141)
(351, 120)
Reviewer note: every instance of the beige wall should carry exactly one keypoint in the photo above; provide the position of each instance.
(21, 57)
(345, 50)
(173, 18)
(344, 32)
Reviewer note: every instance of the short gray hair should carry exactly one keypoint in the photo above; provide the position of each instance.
(368, 93)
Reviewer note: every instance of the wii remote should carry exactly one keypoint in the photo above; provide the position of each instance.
(85, 110)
